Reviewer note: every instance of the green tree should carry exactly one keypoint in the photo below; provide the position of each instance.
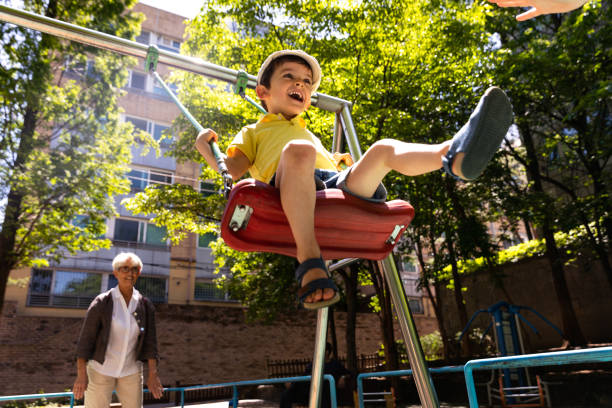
(559, 74)
(63, 150)
(413, 71)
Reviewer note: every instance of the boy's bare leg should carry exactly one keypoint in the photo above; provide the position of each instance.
(410, 159)
(295, 179)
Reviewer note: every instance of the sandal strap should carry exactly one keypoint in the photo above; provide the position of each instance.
(312, 263)
(313, 286)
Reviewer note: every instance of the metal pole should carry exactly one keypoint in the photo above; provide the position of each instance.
(122, 46)
(318, 360)
(424, 382)
(235, 397)
(349, 131)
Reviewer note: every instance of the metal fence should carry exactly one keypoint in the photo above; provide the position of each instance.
(365, 364)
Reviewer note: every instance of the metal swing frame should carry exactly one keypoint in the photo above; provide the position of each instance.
(343, 126)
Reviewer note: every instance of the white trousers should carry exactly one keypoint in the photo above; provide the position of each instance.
(100, 388)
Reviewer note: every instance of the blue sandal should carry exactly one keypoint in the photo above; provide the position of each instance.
(313, 286)
(481, 136)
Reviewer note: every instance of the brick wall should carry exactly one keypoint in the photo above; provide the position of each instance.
(529, 283)
(198, 344)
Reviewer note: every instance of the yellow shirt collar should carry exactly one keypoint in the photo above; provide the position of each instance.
(275, 117)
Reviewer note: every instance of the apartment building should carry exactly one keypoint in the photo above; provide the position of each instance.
(175, 274)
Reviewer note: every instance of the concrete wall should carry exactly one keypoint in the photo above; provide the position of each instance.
(530, 284)
(198, 344)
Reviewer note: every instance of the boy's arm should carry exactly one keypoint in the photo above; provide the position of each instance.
(237, 165)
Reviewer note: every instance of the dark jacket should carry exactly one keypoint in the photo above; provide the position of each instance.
(95, 332)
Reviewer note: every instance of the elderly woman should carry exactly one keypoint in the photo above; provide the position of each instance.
(118, 335)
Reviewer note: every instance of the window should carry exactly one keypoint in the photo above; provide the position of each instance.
(408, 265)
(159, 177)
(63, 288)
(75, 289)
(163, 42)
(138, 179)
(416, 306)
(158, 90)
(209, 291)
(82, 69)
(155, 235)
(153, 288)
(40, 284)
(80, 221)
(144, 37)
(127, 230)
(139, 124)
(205, 239)
(168, 44)
(141, 178)
(158, 132)
(138, 81)
(139, 232)
(207, 189)
(155, 129)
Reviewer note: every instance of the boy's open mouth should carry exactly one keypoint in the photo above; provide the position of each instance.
(297, 96)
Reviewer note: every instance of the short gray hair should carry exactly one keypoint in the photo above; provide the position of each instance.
(123, 257)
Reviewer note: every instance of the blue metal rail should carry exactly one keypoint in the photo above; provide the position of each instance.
(398, 373)
(235, 385)
(39, 396)
(595, 355)
(182, 390)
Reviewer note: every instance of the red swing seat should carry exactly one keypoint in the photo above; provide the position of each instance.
(345, 226)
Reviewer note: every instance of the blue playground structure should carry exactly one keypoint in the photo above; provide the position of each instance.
(515, 384)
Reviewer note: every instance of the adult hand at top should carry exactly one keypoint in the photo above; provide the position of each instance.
(540, 7)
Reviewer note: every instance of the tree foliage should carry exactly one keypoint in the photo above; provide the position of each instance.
(558, 72)
(63, 149)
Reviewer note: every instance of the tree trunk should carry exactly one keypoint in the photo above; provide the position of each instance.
(436, 301)
(571, 328)
(461, 309)
(9, 259)
(332, 334)
(349, 277)
(40, 76)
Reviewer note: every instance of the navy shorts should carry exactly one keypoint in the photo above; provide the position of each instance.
(333, 179)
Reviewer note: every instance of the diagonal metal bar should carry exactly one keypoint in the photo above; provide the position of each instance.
(127, 47)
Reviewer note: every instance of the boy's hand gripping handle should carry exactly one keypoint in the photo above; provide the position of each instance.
(228, 181)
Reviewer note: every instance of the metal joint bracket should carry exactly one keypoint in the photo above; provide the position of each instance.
(240, 217)
(152, 58)
(242, 80)
(394, 234)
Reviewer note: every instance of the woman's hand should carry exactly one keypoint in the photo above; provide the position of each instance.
(154, 385)
(80, 385)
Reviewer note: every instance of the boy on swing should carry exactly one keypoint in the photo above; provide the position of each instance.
(279, 150)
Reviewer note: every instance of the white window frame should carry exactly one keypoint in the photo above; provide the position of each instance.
(149, 172)
(147, 83)
(141, 234)
(150, 126)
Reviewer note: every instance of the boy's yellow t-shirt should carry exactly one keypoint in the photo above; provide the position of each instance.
(263, 142)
